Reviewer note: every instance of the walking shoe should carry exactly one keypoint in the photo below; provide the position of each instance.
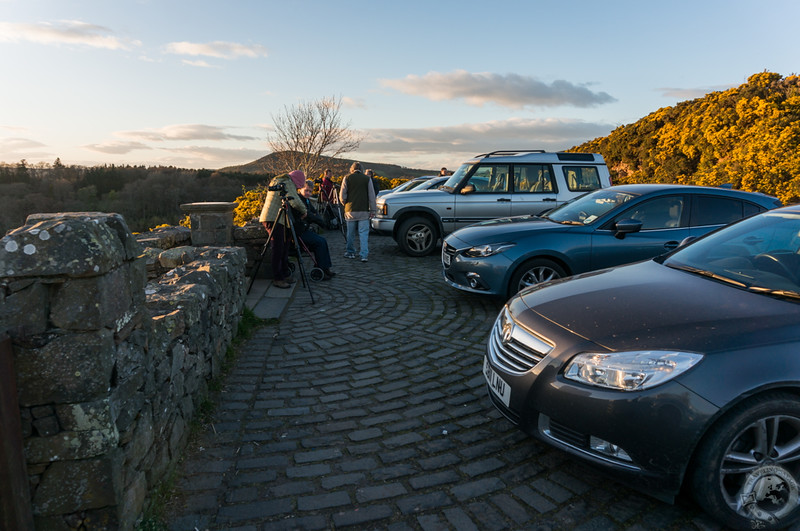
(327, 274)
(280, 284)
(349, 255)
(364, 259)
(290, 280)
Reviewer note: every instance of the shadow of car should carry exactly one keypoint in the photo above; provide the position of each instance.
(678, 372)
(604, 228)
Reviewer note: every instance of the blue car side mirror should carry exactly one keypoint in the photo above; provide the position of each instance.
(627, 226)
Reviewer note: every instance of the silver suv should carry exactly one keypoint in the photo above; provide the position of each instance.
(489, 186)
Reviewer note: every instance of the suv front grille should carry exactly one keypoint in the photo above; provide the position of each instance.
(513, 348)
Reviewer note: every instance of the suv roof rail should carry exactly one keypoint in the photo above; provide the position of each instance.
(510, 152)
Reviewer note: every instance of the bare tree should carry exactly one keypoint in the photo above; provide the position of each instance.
(307, 132)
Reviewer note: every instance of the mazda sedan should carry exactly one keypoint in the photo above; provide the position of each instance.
(678, 372)
(605, 228)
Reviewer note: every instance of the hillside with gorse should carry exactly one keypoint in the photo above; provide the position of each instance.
(747, 136)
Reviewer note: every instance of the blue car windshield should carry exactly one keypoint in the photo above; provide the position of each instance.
(761, 254)
(587, 208)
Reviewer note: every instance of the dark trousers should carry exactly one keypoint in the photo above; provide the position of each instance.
(280, 253)
(319, 246)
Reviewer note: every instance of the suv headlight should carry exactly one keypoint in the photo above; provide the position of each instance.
(629, 371)
(490, 249)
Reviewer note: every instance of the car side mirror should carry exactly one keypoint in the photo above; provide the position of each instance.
(468, 189)
(627, 226)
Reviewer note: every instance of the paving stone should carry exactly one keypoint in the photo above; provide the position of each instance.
(377, 417)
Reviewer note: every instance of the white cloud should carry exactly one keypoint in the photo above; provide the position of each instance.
(216, 49)
(16, 148)
(353, 103)
(510, 90)
(116, 148)
(184, 132)
(64, 32)
(218, 155)
(200, 64)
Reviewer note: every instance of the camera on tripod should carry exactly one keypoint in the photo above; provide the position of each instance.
(280, 187)
(318, 181)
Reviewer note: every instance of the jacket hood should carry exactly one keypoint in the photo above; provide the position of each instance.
(651, 306)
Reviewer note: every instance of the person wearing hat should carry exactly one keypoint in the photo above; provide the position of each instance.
(272, 219)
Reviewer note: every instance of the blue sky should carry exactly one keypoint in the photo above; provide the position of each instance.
(196, 84)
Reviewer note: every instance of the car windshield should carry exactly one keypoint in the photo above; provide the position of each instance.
(456, 178)
(761, 254)
(587, 208)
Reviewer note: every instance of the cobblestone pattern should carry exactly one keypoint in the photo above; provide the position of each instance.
(367, 410)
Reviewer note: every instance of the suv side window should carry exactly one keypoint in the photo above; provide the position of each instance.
(581, 178)
(534, 178)
(489, 179)
(715, 211)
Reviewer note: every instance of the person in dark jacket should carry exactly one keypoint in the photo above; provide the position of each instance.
(316, 244)
(358, 197)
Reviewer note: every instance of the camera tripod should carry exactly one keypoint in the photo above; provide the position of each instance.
(286, 216)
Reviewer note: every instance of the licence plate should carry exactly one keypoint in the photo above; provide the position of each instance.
(445, 259)
(497, 385)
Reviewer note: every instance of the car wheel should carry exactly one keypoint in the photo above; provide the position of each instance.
(417, 236)
(748, 467)
(534, 272)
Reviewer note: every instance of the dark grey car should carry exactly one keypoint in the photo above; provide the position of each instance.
(678, 372)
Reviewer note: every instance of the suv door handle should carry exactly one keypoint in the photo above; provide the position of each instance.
(553, 199)
(504, 200)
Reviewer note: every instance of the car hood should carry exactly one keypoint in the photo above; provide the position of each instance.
(651, 306)
(506, 229)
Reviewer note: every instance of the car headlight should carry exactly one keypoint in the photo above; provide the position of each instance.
(480, 251)
(629, 371)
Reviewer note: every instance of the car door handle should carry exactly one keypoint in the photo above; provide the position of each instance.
(671, 245)
(504, 200)
(553, 199)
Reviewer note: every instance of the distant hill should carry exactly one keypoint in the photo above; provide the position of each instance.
(339, 167)
(747, 136)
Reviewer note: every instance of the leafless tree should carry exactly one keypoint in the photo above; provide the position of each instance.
(307, 132)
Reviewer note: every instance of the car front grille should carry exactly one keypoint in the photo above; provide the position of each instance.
(572, 437)
(515, 349)
(449, 250)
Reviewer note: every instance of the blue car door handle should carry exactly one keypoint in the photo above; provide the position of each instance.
(671, 245)
(504, 200)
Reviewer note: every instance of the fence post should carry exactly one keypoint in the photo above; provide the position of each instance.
(15, 499)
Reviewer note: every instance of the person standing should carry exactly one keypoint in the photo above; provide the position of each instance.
(374, 181)
(272, 220)
(358, 197)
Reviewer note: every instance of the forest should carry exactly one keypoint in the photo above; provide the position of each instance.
(747, 136)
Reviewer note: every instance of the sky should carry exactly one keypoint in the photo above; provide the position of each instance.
(427, 84)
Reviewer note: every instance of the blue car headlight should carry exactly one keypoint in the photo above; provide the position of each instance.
(629, 371)
(482, 251)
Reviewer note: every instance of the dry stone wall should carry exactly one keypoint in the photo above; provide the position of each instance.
(110, 365)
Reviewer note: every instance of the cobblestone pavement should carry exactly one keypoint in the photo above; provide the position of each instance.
(367, 410)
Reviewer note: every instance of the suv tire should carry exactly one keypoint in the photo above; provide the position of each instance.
(417, 236)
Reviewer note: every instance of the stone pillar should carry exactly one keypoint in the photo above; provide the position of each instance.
(211, 222)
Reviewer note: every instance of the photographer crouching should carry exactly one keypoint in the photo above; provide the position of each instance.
(285, 185)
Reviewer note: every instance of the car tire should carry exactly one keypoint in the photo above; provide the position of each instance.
(417, 236)
(746, 470)
(532, 272)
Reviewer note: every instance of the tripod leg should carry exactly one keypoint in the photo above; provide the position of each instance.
(260, 259)
(290, 224)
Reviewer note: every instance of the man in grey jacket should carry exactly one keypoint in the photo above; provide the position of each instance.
(358, 197)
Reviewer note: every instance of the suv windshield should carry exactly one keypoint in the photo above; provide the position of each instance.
(587, 208)
(759, 254)
(456, 178)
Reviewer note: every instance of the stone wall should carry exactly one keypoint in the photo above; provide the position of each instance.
(110, 366)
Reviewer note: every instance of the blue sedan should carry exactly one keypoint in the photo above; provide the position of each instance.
(604, 228)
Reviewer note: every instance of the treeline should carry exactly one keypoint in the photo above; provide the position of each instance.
(747, 136)
(145, 196)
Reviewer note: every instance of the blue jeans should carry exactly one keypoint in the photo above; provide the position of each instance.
(362, 226)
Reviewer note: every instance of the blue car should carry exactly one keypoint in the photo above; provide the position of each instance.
(604, 228)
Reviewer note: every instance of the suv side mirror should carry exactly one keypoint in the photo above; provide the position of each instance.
(468, 189)
(627, 226)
